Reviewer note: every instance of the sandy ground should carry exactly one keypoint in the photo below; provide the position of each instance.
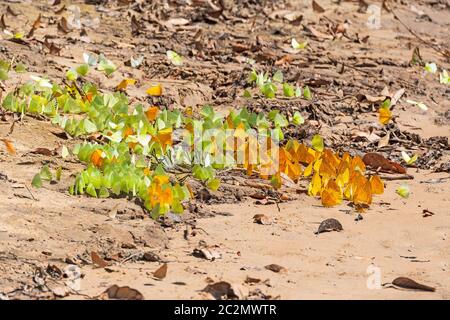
(48, 227)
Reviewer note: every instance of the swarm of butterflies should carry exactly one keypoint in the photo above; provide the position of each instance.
(123, 162)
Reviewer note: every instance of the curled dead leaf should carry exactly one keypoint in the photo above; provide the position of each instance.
(377, 161)
(384, 141)
(63, 25)
(11, 12)
(407, 283)
(276, 268)
(262, 219)
(43, 151)
(96, 259)
(123, 293)
(317, 7)
(328, 225)
(319, 34)
(223, 290)
(252, 280)
(258, 195)
(207, 253)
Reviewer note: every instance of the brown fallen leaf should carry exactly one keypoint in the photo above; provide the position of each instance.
(60, 292)
(207, 253)
(286, 59)
(319, 34)
(52, 48)
(384, 141)
(328, 225)
(377, 161)
(317, 7)
(177, 22)
(63, 25)
(36, 25)
(427, 213)
(135, 26)
(416, 58)
(262, 219)
(161, 272)
(240, 47)
(151, 256)
(408, 283)
(362, 6)
(372, 99)
(252, 280)
(96, 259)
(60, 10)
(294, 18)
(276, 268)
(3, 25)
(11, 11)
(258, 195)
(9, 146)
(43, 151)
(223, 290)
(123, 293)
(396, 96)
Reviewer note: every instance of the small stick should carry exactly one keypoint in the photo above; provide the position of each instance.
(30, 193)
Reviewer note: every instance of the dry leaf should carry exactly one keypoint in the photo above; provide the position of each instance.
(9, 146)
(177, 22)
(60, 10)
(223, 290)
(53, 49)
(427, 213)
(36, 25)
(369, 98)
(378, 162)
(11, 12)
(252, 280)
(318, 34)
(408, 283)
(286, 59)
(276, 268)
(258, 195)
(63, 26)
(262, 219)
(161, 272)
(329, 225)
(384, 141)
(96, 259)
(317, 7)
(293, 17)
(207, 253)
(397, 95)
(123, 293)
(43, 151)
(3, 25)
(60, 291)
(135, 26)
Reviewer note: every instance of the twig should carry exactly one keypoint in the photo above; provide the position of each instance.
(437, 48)
(30, 193)
(131, 257)
(402, 177)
